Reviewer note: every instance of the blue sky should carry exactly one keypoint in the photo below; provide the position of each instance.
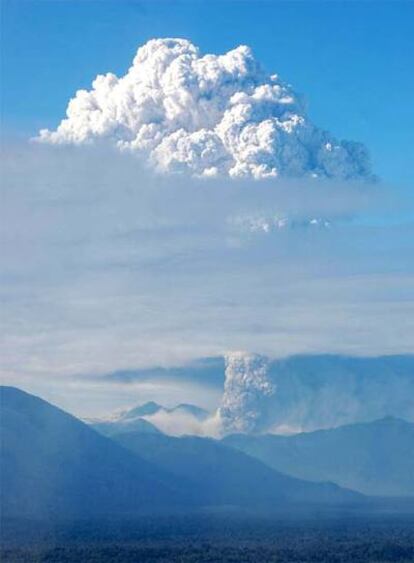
(108, 267)
(351, 60)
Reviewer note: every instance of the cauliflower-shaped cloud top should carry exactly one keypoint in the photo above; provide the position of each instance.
(208, 115)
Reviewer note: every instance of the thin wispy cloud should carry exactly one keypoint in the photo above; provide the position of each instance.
(107, 266)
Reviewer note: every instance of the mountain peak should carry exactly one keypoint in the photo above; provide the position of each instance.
(146, 409)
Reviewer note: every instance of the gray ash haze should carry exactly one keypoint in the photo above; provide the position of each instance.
(259, 395)
(306, 393)
(190, 209)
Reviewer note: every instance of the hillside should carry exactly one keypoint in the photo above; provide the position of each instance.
(53, 464)
(220, 475)
(376, 458)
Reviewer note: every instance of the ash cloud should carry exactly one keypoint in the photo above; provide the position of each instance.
(247, 387)
(286, 395)
(305, 393)
(208, 115)
(108, 267)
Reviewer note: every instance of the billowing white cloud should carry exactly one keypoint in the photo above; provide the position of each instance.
(208, 115)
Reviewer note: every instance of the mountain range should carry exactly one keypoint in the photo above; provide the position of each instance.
(222, 476)
(144, 418)
(54, 465)
(151, 408)
(375, 458)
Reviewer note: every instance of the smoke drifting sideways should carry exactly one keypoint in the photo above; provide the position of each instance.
(301, 394)
(285, 396)
(211, 115)
(108, 266)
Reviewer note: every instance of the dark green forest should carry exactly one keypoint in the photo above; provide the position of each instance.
(213, 539)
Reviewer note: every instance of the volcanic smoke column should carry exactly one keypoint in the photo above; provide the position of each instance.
(247, 390)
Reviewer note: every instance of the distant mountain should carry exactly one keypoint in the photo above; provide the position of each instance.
(146, 418)
(53, 465)
(147, 409)
(376, 458)
(151, 408)
(108, 428)
(219, 475)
